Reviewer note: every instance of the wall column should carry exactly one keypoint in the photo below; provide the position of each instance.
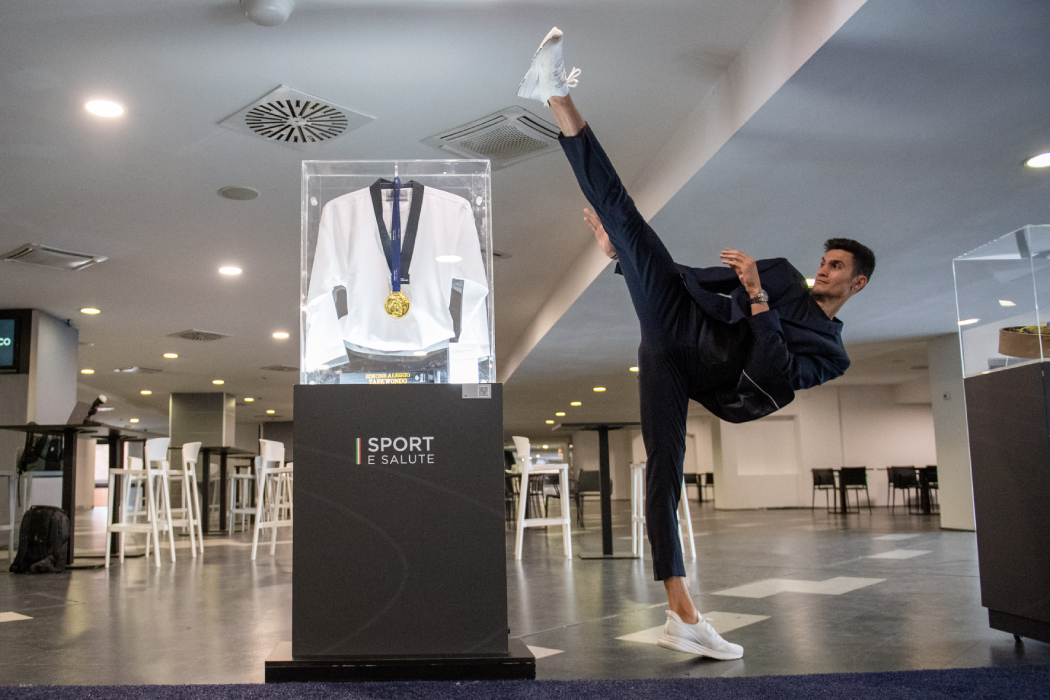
(949, 424)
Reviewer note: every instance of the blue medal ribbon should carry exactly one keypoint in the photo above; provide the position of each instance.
(395, 238)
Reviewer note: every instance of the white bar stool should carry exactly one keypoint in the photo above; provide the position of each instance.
(12, 489)
(528, 469)
(638, 514)
(242, 498)
(273, 499)
(188, 514)
(148, 478)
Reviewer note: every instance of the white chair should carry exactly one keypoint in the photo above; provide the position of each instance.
(148, 478)
(528, 469)
(273, 495)
(638, 514)
(188, 514)
(242, 498)
(12, 489)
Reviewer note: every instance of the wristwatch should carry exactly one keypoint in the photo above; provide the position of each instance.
(760, 298)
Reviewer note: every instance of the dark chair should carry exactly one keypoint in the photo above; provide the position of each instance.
(709, 483)
(588, 485)
(928, 475)
(510, 496)
(696, 480)
(855, 479)
(823, 480)
(903, 479)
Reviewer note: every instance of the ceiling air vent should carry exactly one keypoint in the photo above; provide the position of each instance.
(138, 370)
(506, 138)
(55, 258)
(194, 334)
(280, 368)
(294, 118)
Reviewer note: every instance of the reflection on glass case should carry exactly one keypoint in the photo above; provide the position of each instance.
(998, 289)
(396, 294)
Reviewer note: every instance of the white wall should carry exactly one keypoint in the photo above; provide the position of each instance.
(953, 447)
(767, 463)
(52, 369)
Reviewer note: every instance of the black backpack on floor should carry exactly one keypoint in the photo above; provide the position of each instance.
(43, 542)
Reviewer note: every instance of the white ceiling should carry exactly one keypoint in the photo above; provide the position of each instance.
(907, 130)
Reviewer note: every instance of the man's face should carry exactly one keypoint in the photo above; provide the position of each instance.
(835, 276)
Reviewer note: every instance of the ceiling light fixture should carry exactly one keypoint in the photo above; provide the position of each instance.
(281, 335)
(576, 403)
(230, 270)
(218, 381)
(267, 13)
(1006, 302)
(239, 194)
(550, 422)
(969, 322)
(1040, 161)
(270, 411)
(559, 414)
(87, 371)
(633, 369)
(171, 356)
(599, 389)
(248, 399)
(90, 311)
(134, 420)
(145, 392)
(546, 447)
(104, 108)
(810, 281)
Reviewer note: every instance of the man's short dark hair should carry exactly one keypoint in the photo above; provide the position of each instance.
(863, 258)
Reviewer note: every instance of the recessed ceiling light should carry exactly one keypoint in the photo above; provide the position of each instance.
(87, 371)
(271, 411)
(239, 194)
(559, 414)
(969, 321)
(599, 389)
(90, 311)
(134, 420)
(633, 369)
(1040, 161)
(448, 258)
(1006, 302)
(281, 335)
(230, 270)
(576, 403)
(145, 392)
(248, 399)
(550, 422)
(217, 381)
(171, 356)
(546, 447)
(104, 108)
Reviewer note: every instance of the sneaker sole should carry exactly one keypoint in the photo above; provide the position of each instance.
(523, 90)
(678, 644)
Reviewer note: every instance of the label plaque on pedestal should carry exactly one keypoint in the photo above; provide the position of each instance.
(399, 526)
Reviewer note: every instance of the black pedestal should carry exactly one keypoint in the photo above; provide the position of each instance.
(517, 664)
(1009, 426)
(399, 543)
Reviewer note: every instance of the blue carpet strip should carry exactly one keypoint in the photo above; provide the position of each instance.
(1012, 683)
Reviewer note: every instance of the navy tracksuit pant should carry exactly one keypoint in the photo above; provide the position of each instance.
(683, 350)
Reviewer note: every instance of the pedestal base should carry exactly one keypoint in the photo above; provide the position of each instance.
(518, 664)
(1018, 625)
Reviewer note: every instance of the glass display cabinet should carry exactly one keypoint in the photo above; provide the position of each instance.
(1003, 297)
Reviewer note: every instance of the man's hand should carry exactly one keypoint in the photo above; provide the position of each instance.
(599, 233)
(745, 268)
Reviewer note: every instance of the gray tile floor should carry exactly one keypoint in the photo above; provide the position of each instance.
(805, 592)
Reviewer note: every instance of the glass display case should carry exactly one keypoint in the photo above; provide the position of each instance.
(998, 290)
(396, 294)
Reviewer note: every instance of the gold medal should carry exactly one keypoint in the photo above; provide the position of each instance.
(396, 305)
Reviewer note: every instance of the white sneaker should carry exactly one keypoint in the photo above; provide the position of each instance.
(700, 638)
(546, 77)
